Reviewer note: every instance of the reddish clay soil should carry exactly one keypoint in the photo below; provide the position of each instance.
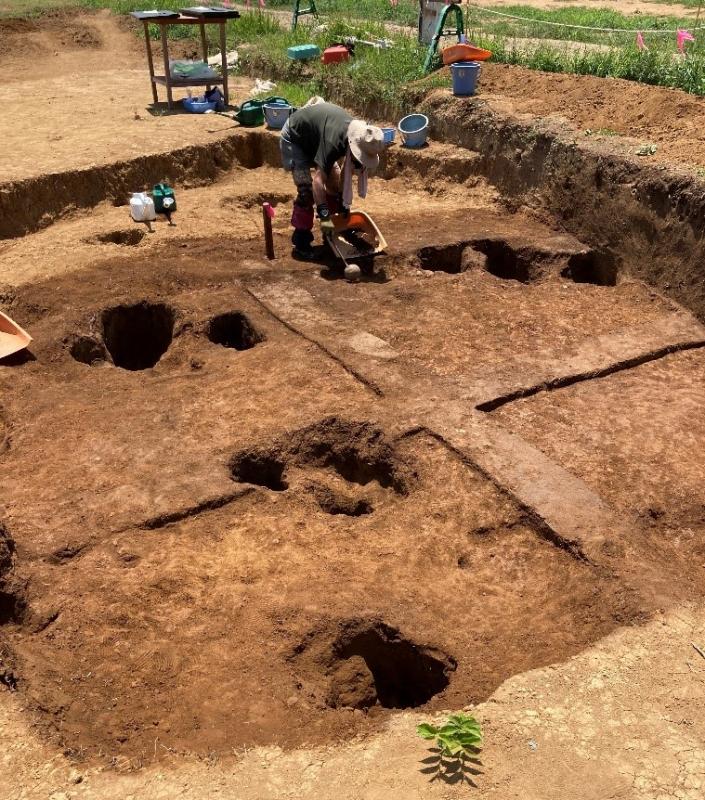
(238, 537)
(249, 503)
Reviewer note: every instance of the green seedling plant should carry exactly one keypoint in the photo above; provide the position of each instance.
(454, 757)
(460, 735)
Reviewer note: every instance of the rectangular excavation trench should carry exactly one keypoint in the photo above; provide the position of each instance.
(206, 642)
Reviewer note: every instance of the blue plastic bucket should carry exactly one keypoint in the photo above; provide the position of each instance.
(465, 75)
(389, 134)
(414, 130)
(196, 106)
(277, 113)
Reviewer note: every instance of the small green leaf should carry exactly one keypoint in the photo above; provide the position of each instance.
(426, 731)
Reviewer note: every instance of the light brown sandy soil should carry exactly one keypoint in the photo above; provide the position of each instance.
(91, 101)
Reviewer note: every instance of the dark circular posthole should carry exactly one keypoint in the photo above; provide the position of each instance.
(137, 336)
(233, 330)
(88, 350)
(260, 469)
(129, 237)
(403, 674)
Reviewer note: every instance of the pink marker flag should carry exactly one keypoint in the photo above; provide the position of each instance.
(261, 3)
(640, 41)
(681, 38)
(248, 4)
(393, 3)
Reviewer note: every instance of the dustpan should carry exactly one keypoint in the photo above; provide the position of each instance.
(364, 227)
(12, 337)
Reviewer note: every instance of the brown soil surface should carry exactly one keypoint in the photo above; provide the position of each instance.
(252, 514)
(654, 474)
(160, 595)
(668, 118)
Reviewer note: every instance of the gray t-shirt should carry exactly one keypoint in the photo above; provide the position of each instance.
(321, 131)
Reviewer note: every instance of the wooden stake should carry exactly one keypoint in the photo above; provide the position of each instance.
(267, 214)
(697, 16)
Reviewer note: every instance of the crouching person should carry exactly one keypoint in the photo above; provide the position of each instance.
(324, 138)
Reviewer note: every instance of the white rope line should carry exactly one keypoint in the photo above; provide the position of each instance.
(633, 31)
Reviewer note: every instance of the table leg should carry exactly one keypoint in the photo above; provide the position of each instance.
(167, 71)
(150, 61)
(224, 62)
(204, 42)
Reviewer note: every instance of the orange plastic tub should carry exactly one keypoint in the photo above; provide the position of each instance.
(367, 233)
(464, 52)
(334, 55)
(12, 337)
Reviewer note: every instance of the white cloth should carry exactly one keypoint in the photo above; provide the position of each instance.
(348, 170)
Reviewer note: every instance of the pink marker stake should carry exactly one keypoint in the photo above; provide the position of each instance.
(681, 38)
(640, 41)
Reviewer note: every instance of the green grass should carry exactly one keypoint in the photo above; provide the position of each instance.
(31, 8)
(388, 80)
(534, 25)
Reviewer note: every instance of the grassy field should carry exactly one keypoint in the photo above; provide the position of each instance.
(26, 8)
(390, 79)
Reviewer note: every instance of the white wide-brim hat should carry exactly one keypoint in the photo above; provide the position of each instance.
(366, 143)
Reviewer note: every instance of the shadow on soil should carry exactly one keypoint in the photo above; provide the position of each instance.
(451, 770)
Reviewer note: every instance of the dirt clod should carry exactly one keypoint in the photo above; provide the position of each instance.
(352, 685)
(88, 350)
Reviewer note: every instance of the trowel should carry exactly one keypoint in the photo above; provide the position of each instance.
(12, 337)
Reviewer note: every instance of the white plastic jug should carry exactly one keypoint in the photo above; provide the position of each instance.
(142, 207)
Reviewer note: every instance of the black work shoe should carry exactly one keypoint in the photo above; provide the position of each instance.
(301, 254)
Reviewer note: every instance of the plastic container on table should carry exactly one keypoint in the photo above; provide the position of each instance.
(465, 75)
(414, 130)
(142, 207)
(303, 52)
(464, 52)
(336, 54)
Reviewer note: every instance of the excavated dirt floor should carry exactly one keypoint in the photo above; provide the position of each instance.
(257, 521)
(253, 523)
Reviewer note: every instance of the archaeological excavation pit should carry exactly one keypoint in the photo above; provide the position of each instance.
(376, 664)
(137, 336)
(288, 544)
(233, 330)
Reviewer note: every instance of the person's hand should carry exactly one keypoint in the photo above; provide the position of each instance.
(343, 210)
(327, 227)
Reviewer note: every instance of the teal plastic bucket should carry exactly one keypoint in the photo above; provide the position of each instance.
(414, 130)
(465, 75)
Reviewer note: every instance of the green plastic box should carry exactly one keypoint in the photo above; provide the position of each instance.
(303, 52)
